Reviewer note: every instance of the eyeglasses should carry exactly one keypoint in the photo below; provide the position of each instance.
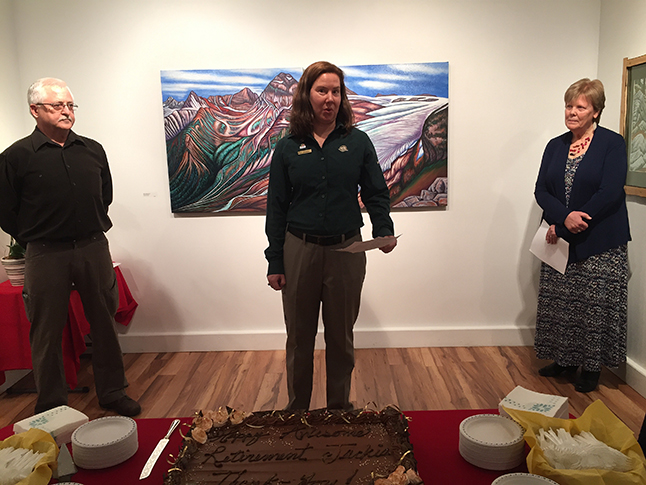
(59, 106)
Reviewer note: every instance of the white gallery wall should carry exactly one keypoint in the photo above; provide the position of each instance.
(11, 93)
(460, 276)
(622, 34)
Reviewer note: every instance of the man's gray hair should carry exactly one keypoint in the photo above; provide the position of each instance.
(36, 92)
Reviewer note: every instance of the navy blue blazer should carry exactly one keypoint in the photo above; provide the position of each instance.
(597, 189)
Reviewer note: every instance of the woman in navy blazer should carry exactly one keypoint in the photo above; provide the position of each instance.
(581, 317)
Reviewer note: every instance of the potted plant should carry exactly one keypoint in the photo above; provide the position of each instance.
(14, 263)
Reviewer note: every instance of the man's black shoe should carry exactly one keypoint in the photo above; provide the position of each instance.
(125, 406)
(555, 369)
(588, 381)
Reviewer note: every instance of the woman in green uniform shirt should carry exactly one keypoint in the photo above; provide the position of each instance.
(313, 210)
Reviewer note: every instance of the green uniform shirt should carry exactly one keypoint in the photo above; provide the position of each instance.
(316, 189)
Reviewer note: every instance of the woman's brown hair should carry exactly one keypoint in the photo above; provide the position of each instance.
(592, 90)
(301, 121)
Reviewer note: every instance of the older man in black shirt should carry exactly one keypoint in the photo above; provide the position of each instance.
(55, 189)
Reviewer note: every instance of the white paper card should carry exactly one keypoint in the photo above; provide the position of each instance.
(359, 246)
(553, 254)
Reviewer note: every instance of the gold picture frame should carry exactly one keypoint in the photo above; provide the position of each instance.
(633, 123)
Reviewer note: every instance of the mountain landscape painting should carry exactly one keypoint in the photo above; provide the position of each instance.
(221, 127)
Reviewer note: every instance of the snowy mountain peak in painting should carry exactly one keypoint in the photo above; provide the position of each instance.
(280, 90)
(172, 103)
(176, 119)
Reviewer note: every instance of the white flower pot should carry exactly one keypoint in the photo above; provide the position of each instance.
(15, 269)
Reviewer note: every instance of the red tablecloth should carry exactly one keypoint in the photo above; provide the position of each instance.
(434, 435)
(14, 329)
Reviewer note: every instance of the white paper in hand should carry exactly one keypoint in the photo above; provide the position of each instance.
(553, 254)
(361, 246)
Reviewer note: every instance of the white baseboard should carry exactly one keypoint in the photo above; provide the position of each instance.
(364, 338)
(633, 374)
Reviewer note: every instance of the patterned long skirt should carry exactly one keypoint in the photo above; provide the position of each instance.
(581, 317)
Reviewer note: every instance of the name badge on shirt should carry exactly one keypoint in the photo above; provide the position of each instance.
(304, 152)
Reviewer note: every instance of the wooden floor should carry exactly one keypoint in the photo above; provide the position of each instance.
(178, 384)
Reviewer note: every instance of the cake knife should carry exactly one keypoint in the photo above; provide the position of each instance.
(148, 467)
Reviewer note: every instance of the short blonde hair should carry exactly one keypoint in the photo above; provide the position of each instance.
(592, 90)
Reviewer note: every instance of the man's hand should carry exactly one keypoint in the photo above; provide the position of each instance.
(276, 281)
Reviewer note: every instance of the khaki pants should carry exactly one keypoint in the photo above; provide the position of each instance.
(318, 275)
(50, 270)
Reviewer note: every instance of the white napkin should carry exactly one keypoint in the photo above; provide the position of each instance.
(60, 422)
(526, 400)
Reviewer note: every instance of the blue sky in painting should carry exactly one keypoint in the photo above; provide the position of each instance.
(402, 79)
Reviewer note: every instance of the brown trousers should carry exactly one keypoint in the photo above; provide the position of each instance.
(318, 275)
(51, 268)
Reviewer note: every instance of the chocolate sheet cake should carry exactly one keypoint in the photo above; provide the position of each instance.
(285, 448)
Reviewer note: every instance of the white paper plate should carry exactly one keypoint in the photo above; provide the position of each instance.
(104, 442)
(518, 447)
(488, 464)
(515, 458)
(103, 432)
(94, 460)
(492, 430)
(492, 442)
(522, 479)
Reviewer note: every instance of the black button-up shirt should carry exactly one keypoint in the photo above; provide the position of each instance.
(315, 189)
(54, 192)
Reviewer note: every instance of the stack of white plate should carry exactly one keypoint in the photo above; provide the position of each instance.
(104, 442)
(523, 479)
(492, 442)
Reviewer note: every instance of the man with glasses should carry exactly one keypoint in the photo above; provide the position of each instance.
(55, 189)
